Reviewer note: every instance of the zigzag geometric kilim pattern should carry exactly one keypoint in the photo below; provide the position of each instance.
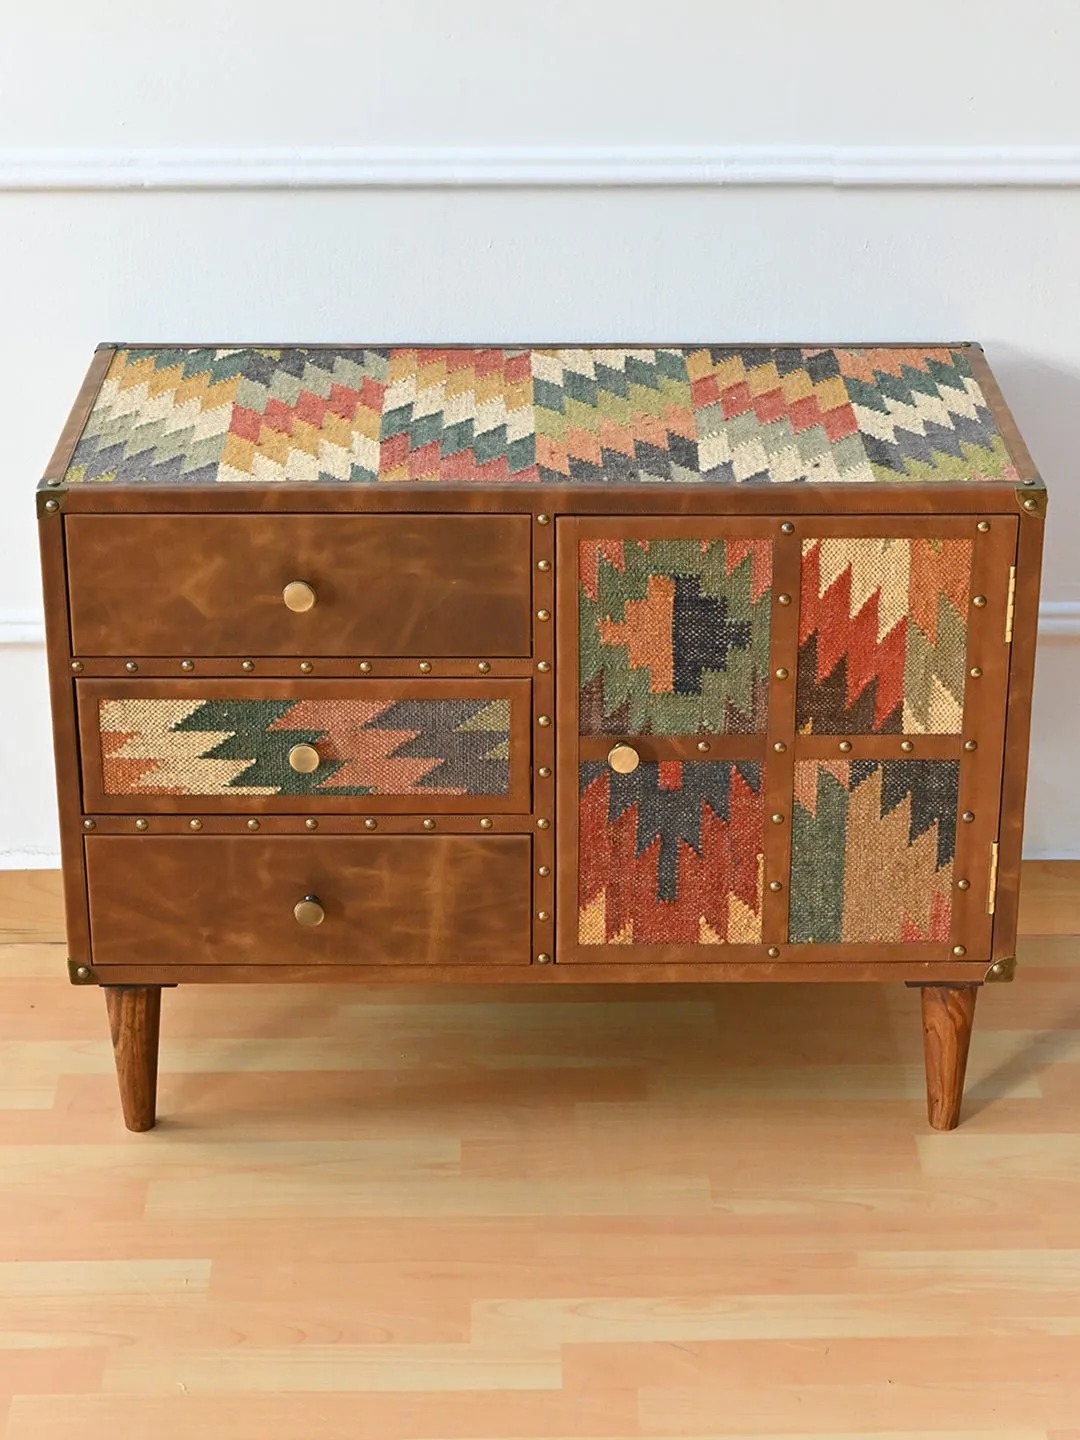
(366, 747)
(592, 414)
(671, 854)
(674, 636)
(883, 636)
(872, 850)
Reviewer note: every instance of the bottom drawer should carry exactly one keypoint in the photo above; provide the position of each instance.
(385, 900)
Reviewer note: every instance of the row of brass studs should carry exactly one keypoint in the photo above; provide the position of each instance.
(311, 823)
(543, 772)
(306, 666)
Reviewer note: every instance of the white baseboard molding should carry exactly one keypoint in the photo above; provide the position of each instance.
(1058, 620)
(345, 168)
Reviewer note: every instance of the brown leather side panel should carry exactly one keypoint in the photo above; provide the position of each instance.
(388, 900)
(423, 585)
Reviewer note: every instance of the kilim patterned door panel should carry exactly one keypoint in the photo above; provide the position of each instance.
(282, 745)
(665, 637)
(899, 718)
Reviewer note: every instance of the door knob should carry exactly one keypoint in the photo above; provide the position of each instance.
(309, 912)
(623, 759)
(304, 759)
(298, 595)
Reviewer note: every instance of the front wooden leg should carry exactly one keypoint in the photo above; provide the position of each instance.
(947, 1015)
(135, 1020)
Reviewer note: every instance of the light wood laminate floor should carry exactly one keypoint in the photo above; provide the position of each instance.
(417, 1214)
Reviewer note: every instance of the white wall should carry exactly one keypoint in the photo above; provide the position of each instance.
(510, 262)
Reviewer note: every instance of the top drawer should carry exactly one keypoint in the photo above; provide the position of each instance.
(383, 585)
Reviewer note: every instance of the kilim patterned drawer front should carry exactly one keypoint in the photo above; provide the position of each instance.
(541, 665)
(227, 745)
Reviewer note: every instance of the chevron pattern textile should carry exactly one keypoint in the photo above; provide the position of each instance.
(674, 636)
(883, 636)
(671, 854)
(872, 850)
(367, 747)
(498, 415)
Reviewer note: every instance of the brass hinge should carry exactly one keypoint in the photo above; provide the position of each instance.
(991, 898)
(1010, 605)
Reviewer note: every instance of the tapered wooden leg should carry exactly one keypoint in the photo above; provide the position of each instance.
(947, 1015)
(134, 1019)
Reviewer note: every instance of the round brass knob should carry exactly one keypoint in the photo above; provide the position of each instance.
(309, 912)
(623, 759)
(304, 759)
(298, 595)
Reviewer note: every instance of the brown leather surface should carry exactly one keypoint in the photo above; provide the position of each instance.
(389, 900)
(386, 584)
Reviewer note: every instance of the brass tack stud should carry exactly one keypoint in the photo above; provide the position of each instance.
(543, 564)
(1029, 504)
(959, 950)
(76, 666)
(543, 614)
(365, 667)
(971, 744)
(195, 824)
(483, 666)
(543, 720)
(968, 816)
(845, 745)
(131, 666)
(983, 525)
(429, 824)
(52, 506)
(775, 886)
(543, 519)
(787, 528)
(544, 666)
(543, 958)
(782, 672)
(544, 772)
(52, 483)
(306, 667)
(247, 665)
(774, 952)
(253, 824)
(543, 870)
(975, 671)
(777, 818)
(89, 824)
(425, 667)
(907, 745)
(187, 664)
(542, 824)
(779, 746)
(141, 824)
(370, 824)
(311, 823)
(963, 884)
(542, 915)
(485, 823)
(784, 599)
(703, 746)
(82, 972)
(978, 601)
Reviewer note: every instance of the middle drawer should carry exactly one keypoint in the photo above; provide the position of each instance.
(305, 747)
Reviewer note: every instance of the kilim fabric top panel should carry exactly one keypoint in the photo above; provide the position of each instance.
(366, 747)
(671, 854)
(872, 850)
(674, 636)
(883, 636)
(676, 414)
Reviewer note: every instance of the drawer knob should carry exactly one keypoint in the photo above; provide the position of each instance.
(309, 912)
(304, 759)
(623, 759)
(298, 595)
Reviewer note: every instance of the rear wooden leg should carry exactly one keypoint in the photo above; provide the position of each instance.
(947, 1015)
(135, 1019)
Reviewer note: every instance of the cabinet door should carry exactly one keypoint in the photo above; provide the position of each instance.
(816, 711)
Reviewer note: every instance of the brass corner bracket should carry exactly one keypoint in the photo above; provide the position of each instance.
(49, 498)
(1002, 970)
(80, 974)
(1031, 499)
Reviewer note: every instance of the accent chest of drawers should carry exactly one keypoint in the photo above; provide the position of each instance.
(541, 665)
